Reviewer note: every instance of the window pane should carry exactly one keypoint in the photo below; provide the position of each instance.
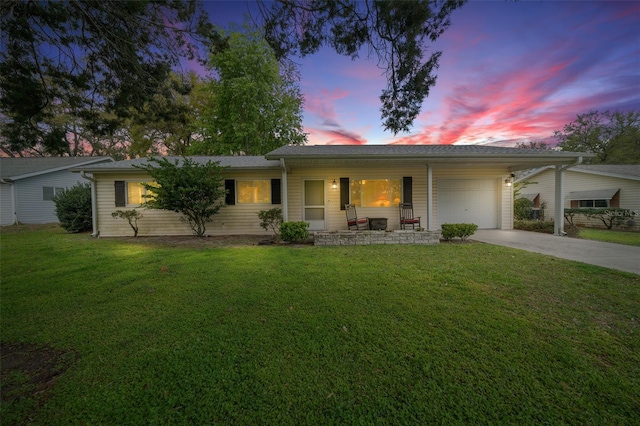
(314, 193)
(254, 191)
(314, 213)
(376, 192)
(47, 193)
(134, 193)
(601, 203)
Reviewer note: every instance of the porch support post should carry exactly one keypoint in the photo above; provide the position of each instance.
(558, 220)
(430, 222)
(285, 192)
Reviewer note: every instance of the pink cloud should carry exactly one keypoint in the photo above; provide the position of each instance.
(333, 137)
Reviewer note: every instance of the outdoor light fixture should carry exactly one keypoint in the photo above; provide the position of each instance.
(507, 181)
(334, 185)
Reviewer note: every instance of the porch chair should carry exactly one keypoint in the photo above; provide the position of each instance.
(406, 216)
(354, 222)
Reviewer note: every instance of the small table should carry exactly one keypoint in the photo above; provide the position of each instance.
(378, 223)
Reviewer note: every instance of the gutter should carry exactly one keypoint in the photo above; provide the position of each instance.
(94, 204)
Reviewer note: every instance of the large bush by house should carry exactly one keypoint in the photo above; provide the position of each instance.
(73, 208)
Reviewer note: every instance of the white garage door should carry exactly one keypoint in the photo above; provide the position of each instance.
(468, 201)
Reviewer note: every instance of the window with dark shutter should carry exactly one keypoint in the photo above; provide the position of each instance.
(344, 192)
(120, 189)
(276, 191)
(407, 189)
(230, 186)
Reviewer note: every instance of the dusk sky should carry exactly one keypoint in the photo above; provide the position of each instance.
(509, 72)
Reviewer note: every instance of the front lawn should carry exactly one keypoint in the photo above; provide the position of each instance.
(141, 333)
(609, 236)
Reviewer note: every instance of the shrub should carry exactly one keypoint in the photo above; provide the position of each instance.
(609, 216)
(294, 232)
(534, 226)
(271, 219)
(131, 216)
(522, 208)
(187, 187)
(459, 230)
(73, 208)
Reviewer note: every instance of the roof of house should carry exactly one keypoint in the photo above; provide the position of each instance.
(412, 151)
(323, 155)
(24, 167)
(232, 162)
(624, 171)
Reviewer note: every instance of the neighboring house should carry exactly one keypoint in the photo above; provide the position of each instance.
(28, 184)
(445, 183)
(587, 186)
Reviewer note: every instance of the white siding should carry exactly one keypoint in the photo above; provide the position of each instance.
(231, 220)
(31, 208)
(503, 197)
(578, 181)
(243, 219)
(6, 204)
(336, 219)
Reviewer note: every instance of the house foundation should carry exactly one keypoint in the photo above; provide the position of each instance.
(363, 238)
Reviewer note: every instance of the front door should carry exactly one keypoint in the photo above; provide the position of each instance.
(314, 205)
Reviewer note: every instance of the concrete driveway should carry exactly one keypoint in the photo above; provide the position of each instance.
(608, 255)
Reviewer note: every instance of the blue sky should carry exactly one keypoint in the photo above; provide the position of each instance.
(509, 72)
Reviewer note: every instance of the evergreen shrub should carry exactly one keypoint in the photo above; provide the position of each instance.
(73, 208)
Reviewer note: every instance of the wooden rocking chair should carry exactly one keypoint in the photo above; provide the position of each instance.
(353, 221)
(407, 218)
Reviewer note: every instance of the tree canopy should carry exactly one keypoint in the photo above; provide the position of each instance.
(254, 104)
(397, 32)
(613, 136)
(92, 60)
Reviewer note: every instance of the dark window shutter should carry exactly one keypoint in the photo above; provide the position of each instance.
(276, 192)
(121, 200)
(344, 192)
(230, 186)
(407, 189)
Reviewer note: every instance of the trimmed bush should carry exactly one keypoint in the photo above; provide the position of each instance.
(610, 216)
(522, 208)
(73, 208)
(131, 216)
(271, 219)
(458, 230)
(294, 232)
(544, 227)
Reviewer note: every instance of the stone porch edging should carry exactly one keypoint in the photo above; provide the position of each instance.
(363, 238)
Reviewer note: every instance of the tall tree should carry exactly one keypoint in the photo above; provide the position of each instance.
(532, 145)
(613, 136)
(254, 105)
(166, 124)
(396, 31)
(89, 56)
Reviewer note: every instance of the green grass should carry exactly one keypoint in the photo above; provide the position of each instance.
(609, 236)
(454, 333)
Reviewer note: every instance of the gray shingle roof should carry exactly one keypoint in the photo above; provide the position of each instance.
(625, 171)
(363, 151)
(21, 167)
(238, 162)
(622, 169)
